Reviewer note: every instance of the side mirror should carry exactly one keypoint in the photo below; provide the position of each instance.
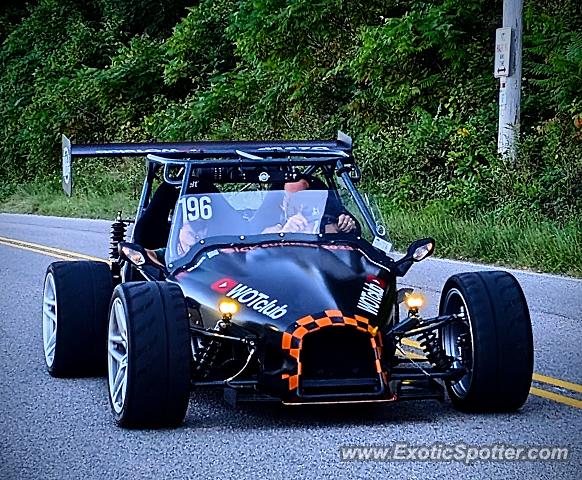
(417, 251)
(420, 249)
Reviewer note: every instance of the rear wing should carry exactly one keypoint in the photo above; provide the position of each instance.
(193, 151)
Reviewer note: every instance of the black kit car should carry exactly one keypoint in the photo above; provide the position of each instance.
(266, 308)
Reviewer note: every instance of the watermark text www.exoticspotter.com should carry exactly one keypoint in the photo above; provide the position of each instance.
(456, 452)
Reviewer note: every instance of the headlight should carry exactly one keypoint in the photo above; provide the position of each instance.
(228, 307)
(414, 301)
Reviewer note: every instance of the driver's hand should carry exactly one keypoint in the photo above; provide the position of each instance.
(345, 223)
(296, 223)
(153, 257)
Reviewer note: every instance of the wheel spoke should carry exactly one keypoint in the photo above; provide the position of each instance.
(118, 385)
(49, 319)
(117, 356)
(457, 339)
(52, 338)
(51, 302)
(119, 377)
(120, 319)
(50, 349)
(117, 339)
(50, 314)
(117, 347)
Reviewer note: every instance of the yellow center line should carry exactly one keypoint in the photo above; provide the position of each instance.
(556, 397)
(414, 356)
(35, 250)
(52, 251)
(411, 343)
(537, 377)
(557, 382)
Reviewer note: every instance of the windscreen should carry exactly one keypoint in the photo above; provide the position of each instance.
(203, 216)
(378, 236)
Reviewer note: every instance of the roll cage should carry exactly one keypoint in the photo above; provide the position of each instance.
(263, 162)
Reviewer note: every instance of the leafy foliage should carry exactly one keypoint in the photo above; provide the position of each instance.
(410, 80)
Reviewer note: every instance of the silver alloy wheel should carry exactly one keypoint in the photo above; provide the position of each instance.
(451, 336)
(49, 319)
(117, 353)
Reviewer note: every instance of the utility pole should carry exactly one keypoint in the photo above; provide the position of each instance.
(507, 68)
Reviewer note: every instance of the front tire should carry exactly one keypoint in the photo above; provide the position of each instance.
(493, 342)
(148, 355)
(74, 317)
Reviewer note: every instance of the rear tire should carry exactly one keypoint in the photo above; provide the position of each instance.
(494, 341)
(148, 355)
(75, 301)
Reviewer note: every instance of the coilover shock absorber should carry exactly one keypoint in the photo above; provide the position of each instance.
(434, 351)
(204, 359)
(118, 229)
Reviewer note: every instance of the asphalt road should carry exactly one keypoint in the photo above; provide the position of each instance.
(62, 429)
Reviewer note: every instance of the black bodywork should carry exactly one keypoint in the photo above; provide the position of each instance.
(308, 287)
(318, 314)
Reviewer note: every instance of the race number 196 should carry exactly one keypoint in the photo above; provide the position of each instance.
(194, 208)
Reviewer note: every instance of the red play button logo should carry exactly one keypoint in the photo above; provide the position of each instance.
(376, 280)
(224, 285)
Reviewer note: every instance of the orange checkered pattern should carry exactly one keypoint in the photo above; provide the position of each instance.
(293, 337)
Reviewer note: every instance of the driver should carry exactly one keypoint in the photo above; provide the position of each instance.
(297, 222)
(190, 234)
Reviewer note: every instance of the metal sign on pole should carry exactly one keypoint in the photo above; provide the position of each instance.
(507, 67)
(502, 52)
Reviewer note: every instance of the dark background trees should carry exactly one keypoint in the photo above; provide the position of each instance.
(410, 80)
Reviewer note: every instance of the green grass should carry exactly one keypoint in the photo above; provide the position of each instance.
(532, 243)
(50, 200)
(529, 242)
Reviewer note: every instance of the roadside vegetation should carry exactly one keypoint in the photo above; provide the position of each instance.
(411, 81)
